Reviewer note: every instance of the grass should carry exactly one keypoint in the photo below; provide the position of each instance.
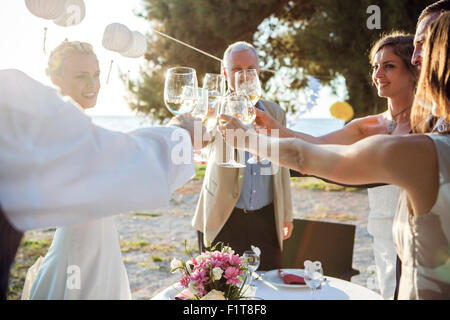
(338, 216)
(147, 215)
(29, 251)
(199, 171)
(317, 184)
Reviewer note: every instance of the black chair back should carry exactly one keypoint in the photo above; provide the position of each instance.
(330, 243)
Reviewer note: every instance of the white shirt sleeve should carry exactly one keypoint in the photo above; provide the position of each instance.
(58, 168)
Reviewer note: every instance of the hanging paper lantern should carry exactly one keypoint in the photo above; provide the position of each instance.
(46, 9)
(342, 110)
(73, 13)
(138, 48)
(117, 37)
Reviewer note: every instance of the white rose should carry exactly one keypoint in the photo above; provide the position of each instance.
(228, 250)
(217, 273)
(175, 264)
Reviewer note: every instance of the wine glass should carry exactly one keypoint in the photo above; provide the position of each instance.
(239, 106)
(313, 275)
(216, 85)
(178, 97)
(247, 82)
(252, 259)
(200, 109)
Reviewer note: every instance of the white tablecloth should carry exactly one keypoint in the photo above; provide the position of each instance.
(332, 289)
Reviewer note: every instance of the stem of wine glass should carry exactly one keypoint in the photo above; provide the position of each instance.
(250, 278)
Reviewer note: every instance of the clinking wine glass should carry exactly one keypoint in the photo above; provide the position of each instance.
(239, 106)
(313, 275)
(253, 260)
(216, 85)
(200, 109)
(178, 96)
(247, 82)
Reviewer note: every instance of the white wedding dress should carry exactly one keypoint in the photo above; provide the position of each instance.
(383, 203)
(84, 262)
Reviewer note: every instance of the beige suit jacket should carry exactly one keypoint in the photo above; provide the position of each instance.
(221, 189)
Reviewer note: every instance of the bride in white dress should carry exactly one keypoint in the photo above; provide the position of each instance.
(84, 261)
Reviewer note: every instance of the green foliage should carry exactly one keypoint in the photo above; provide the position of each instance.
(322, 38)
(210, 25)
(326, 38)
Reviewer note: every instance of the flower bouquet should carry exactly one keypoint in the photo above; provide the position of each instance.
(218, 274)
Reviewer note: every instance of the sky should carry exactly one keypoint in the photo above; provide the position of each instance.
(23, 37)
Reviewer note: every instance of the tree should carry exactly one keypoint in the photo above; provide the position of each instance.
(210, 25)
(327, 38)
(321, 38)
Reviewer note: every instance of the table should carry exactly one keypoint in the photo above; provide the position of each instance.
(332, 289)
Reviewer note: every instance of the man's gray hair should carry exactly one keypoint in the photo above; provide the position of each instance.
(237, 46)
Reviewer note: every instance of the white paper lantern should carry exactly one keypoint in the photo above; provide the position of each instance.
(138, 48)
(73, 13)
(117, 37)
(46, 9)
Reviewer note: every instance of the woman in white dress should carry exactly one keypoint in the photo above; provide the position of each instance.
(84, 261)
(395, 79)
(419, 164)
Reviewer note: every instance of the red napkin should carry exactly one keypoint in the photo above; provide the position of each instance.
(184, 295)
(290, 278)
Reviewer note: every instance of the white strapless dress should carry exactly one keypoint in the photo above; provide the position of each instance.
(84, 262)
(383, 202)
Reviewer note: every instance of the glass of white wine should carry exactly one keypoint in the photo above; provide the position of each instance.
(239, 106)
(200, 109)
(247, 82)
(178, 97)
(216, 85)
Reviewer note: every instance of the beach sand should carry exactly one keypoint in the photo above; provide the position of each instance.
(149, 240)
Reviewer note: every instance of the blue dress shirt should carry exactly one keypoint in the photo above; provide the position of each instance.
(257, 189)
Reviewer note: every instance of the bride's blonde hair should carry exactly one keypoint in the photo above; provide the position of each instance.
(64, 51)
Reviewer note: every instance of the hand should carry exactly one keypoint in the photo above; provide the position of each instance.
(287, 230)
(233, 131)
(265, 121)
(199, 135)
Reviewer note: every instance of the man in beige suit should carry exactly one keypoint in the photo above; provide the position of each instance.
(246, 206)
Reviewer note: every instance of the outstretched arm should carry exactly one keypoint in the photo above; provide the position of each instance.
(354, 131)
(407, 161)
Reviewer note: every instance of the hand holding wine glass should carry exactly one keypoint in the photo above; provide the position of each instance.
(240, 107)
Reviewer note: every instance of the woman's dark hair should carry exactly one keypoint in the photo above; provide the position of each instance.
(402, 45)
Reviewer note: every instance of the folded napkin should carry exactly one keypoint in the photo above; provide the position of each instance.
(290, 278)
(184, 295)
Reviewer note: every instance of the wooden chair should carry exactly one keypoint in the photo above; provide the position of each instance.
(330, 243)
